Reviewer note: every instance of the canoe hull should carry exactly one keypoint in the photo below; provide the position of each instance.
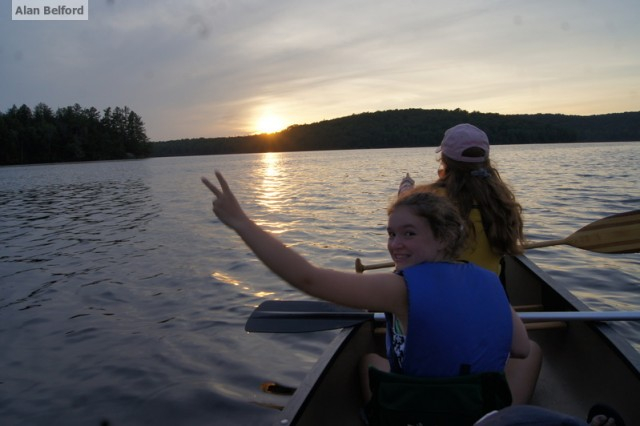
(584, 362)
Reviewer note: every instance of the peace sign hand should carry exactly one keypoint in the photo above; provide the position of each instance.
(226, 206)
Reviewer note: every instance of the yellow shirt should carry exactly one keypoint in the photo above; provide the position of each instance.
(478, 250)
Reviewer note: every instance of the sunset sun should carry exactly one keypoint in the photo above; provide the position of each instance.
(270, 124)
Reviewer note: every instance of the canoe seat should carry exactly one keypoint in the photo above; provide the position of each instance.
(401, 400)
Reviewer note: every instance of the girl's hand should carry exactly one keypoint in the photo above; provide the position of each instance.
(406, 184)
(225, 205)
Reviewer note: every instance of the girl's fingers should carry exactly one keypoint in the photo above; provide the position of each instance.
(224, 186)
(211, 186)
(223, 183)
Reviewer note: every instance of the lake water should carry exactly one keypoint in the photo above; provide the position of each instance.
(123, 300)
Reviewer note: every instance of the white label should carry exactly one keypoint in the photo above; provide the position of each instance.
(50, 10)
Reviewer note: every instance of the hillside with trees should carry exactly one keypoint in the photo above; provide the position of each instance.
(412, 128)
(71, 133)
(74, 133)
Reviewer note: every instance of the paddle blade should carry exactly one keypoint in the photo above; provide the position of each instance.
(278, 316)
(619, 233)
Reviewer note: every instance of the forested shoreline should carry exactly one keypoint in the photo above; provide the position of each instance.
(69, 134)
(413, 128)
(75, 133)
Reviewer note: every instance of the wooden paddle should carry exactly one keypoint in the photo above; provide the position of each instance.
(282, 316)
(619, 233)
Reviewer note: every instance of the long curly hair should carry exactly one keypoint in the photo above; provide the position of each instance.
(442, 216)
(479, 185)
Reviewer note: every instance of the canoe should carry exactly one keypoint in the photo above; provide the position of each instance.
(585, 362)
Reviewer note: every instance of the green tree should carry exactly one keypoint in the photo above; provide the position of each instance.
(71, 133)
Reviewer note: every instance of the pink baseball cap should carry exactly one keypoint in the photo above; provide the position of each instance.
(461, 137)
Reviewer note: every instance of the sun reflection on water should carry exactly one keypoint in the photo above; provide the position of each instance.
(226, 279)
(271, 163)
(269, 193)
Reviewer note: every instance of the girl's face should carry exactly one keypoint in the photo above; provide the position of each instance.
(411, 240)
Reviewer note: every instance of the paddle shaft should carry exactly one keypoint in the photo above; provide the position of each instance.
(619, 233)
(278, 316)
(549, 243)
(525, 316)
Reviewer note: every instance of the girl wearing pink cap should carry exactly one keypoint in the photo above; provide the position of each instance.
(493, 219)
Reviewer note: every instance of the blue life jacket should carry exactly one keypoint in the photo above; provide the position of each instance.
(459, 321)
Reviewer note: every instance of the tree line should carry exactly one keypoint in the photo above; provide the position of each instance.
(74, 133)
(415, 128)
(70, 133)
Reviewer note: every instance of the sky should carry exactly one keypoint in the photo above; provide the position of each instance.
(212, 68)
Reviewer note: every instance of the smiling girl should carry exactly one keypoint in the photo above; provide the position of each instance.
(436, 327)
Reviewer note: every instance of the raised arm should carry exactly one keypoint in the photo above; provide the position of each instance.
(384, 292)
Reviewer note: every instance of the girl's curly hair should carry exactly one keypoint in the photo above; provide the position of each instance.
(479, 185)
(442, 216)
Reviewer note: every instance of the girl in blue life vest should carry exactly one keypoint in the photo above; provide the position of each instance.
(494, 217)
(431, 300)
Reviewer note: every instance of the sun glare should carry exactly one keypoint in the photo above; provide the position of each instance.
(270, 124)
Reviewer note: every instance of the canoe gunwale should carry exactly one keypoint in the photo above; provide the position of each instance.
(615, 340)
